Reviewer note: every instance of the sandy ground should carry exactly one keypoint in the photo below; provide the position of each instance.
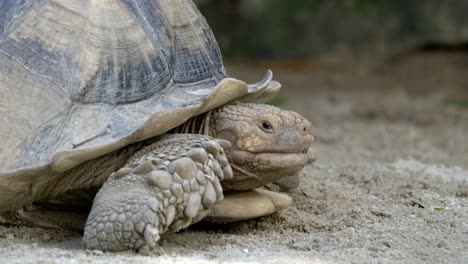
(390, 184)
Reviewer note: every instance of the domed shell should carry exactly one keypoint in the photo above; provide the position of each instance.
(82, 78)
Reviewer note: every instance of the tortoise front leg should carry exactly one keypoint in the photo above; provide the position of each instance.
(164, 187)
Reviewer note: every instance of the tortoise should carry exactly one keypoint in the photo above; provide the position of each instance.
(118, 117)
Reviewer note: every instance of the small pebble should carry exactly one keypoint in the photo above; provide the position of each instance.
(98, 252)
(46, 237)
(95, 252)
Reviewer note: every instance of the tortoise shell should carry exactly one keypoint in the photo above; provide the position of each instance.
(82, 78)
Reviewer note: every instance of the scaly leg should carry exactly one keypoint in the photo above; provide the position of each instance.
(164, 187)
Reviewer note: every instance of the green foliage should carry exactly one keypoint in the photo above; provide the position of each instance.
(363, 7)
(277, 101)
(459, 103)
(293, 7)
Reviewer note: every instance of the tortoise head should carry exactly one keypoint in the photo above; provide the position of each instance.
(268, 143)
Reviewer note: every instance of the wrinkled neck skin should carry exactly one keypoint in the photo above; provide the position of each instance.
(267, 143)
(199, 124)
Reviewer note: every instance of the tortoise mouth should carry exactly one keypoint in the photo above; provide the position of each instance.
(305, 156)
(253, 170)
(267, 161)
(281, 150)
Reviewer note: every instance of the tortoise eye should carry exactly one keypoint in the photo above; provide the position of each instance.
(267, 126)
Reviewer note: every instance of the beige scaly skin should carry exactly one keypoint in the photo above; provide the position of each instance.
(268, 143)
(164, 187)
(167, 183)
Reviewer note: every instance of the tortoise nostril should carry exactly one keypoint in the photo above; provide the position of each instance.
(304, 129)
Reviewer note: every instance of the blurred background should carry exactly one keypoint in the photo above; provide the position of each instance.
(293, 29)
(380, 80)
(415, 46)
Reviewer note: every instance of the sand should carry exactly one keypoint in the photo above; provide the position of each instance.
(390, 184)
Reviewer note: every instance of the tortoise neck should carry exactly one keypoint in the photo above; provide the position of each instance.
(199, 124)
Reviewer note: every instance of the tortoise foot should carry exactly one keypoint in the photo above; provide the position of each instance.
(164, 187)
(244, 205)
